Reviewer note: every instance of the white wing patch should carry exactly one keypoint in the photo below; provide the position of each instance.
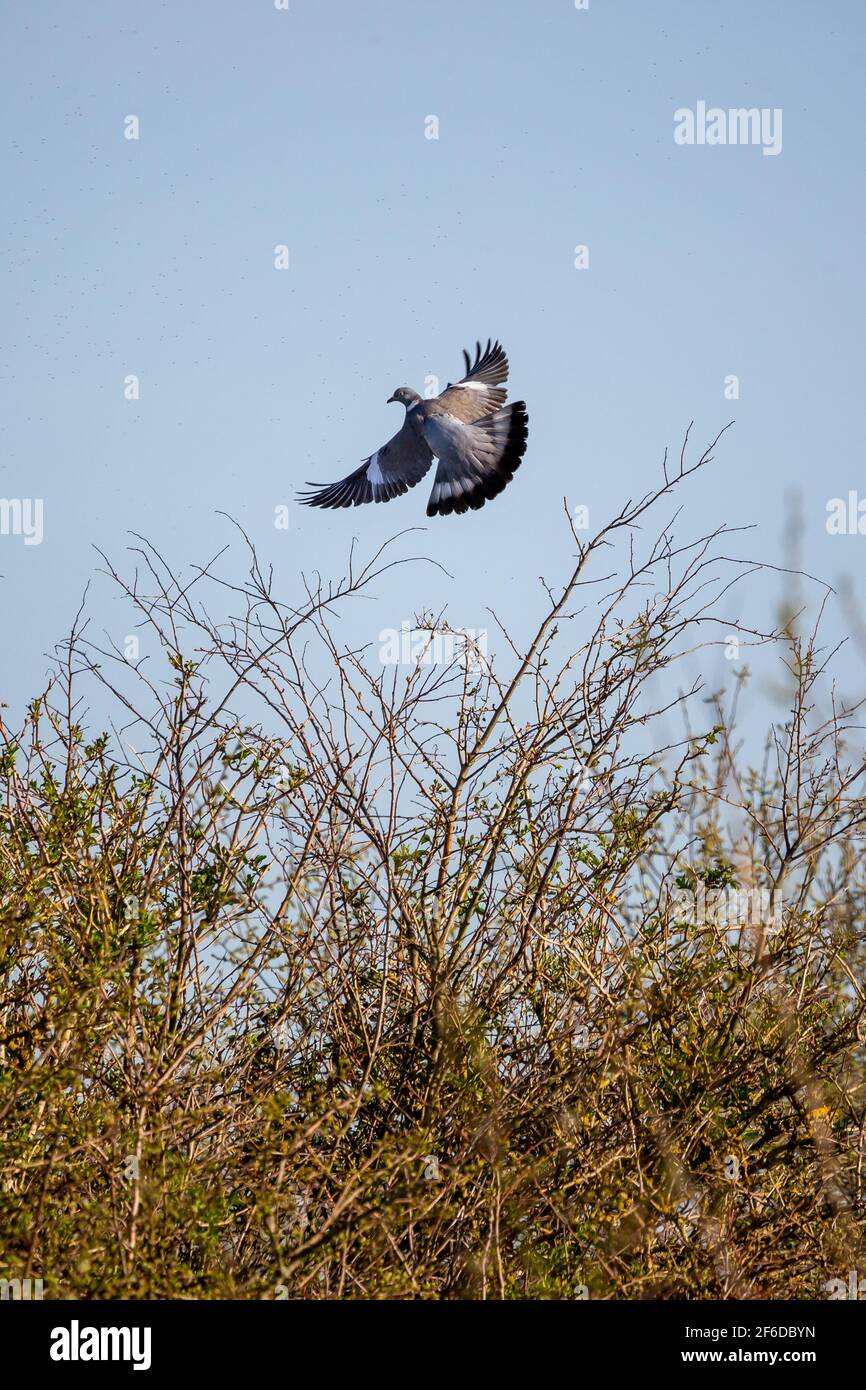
(374, 472)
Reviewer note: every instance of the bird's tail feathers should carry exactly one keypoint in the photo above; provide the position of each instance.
(496, 445)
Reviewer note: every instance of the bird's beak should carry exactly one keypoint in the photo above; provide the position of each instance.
(390, 399)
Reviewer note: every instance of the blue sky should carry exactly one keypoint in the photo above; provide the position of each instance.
(261, 127)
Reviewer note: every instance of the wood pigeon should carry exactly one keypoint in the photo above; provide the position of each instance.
(478, 440)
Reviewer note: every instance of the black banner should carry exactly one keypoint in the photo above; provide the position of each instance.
(77, 1339)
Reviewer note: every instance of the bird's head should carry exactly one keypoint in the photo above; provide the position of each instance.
(404, 395)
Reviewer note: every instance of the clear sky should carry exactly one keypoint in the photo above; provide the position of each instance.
(260, 127)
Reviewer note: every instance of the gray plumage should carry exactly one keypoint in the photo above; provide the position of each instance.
(478, 440)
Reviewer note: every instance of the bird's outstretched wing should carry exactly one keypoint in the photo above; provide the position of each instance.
(391, 471)
(482, 390)
(476, 460)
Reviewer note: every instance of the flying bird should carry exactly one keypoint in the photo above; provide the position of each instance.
(478, 440)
